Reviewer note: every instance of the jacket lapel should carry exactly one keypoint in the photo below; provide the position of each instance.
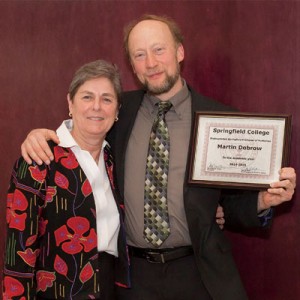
(127, 115)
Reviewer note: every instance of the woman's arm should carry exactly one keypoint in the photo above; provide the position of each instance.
(25, 200)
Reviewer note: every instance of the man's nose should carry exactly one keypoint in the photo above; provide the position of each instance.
(151, 60)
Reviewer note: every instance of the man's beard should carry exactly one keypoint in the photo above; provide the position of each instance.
(165, 87)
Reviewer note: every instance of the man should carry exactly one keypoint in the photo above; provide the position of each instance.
(192, 258)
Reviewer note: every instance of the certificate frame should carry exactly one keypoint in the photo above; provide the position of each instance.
(238, 150)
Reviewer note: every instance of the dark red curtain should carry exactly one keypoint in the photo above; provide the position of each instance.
(243, 53)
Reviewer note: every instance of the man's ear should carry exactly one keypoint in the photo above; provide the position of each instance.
(180, 53)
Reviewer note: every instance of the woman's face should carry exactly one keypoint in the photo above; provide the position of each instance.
(94, 109)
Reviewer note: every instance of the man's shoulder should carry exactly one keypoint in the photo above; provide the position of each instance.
(206, 103)
(130, 100)
(132, 93)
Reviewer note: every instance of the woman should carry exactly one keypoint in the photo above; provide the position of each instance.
(64, 226)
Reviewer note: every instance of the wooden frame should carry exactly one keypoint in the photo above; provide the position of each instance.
(239, 150)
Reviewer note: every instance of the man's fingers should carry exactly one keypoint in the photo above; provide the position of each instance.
(28, 150)
(288, 174)
(220, 212)
(33, 148)
(220, 217)
(279, 195)
(51, 135)
(25, 155)
(43, 151)
(284, 187)
(221, 221)
(36, 147)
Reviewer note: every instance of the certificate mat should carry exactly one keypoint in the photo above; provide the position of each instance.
(239, 150)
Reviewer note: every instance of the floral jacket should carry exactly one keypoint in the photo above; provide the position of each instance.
(51, 246)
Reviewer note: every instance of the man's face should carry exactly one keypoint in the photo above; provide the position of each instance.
(155, 58)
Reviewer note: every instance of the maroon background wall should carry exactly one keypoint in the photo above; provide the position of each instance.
(243, 53)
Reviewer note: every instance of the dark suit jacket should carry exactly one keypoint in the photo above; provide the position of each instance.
(211, 247)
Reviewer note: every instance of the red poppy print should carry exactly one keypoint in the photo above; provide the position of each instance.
(86, 188)
(60, 265)
(30, 240)
(70, 162)
(44, 280)
(105, 156)
(50, 193)
(37, 174)
(110, 175)
(8, 206)
(74, 242)
(61, 180)
(86, 273)
(29, 256)
(13, 288)
(59, 152)
(42, 226)
(16, 202)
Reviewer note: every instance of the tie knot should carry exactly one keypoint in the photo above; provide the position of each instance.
(163, 107)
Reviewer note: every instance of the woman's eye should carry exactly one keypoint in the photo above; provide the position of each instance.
(87, 97)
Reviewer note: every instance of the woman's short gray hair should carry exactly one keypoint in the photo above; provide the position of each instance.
(97, 69)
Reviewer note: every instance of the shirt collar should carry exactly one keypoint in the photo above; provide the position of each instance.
(65, 137)
(178, 100)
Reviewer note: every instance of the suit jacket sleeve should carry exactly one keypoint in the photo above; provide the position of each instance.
(240, 206)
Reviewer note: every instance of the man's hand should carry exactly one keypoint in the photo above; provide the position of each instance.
(36, 148)
(278, 192)
(220, 217)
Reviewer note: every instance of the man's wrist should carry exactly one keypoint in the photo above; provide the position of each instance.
(260, 202)
(265, 216)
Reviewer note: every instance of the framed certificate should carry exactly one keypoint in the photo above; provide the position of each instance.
(239, 150)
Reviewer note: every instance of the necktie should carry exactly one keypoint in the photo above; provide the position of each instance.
(156, 217)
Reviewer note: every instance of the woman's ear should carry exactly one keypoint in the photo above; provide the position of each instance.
(70, 103)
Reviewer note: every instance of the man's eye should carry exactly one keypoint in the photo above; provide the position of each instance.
(107, 100)
(86, 97)
(139, 55)
(159, 50)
